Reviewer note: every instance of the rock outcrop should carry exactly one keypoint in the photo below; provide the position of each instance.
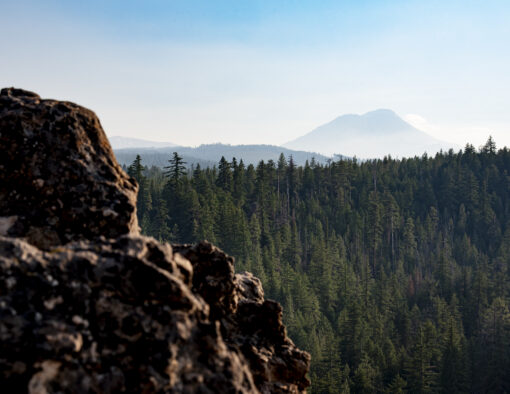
(89, 306)
(59, 180)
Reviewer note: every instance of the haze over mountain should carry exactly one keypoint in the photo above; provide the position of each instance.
(373, 135)
(119, 142)
(209, 155)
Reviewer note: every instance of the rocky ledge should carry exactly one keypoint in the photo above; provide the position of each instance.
(87, 305)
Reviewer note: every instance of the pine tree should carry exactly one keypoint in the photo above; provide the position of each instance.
(489, 147)
(175, 170)
(397, 386)
(374, 228)
(365, 376)
(224, 180)
(495, 337)
(453, 376)
(144, 199)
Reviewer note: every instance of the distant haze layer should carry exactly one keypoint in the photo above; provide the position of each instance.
(118, 142)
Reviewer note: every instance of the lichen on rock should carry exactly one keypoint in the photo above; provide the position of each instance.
(58, 175)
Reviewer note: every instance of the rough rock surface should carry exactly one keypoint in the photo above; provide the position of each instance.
(59, 180)
(248, 321)
(113, 311)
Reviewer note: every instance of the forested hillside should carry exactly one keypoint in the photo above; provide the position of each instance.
(393, 274)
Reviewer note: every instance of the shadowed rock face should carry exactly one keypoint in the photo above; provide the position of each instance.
(113, 311)
(248, 322)
(59, 180)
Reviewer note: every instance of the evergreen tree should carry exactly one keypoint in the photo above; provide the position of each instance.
(144, 200)
(224, 179)
(175, 170)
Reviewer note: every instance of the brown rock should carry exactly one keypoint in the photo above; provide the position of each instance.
(125, 319)
(59, 180)
(113, 311)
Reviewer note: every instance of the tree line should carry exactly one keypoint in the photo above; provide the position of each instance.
(393, 274)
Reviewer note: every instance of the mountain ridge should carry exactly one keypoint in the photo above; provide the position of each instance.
(208, 155)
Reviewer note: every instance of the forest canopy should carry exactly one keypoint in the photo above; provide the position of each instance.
(393, 274)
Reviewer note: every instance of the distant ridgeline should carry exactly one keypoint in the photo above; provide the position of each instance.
(394, 274)
(208, 155)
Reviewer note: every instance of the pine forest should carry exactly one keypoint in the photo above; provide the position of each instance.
(393, 274)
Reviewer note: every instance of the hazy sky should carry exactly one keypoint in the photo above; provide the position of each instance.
(243, 71)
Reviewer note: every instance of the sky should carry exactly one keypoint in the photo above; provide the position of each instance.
(264, 71)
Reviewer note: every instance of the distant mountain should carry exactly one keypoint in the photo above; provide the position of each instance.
(157, 157)
(118, 142)
(209, 155)
(373, 135)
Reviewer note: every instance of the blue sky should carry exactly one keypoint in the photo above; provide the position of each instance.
(196, 72)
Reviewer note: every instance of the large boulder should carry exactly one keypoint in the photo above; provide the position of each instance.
(89, 306)
(59, 180)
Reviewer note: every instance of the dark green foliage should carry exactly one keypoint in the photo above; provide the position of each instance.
(393, 274)
(175, 170)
